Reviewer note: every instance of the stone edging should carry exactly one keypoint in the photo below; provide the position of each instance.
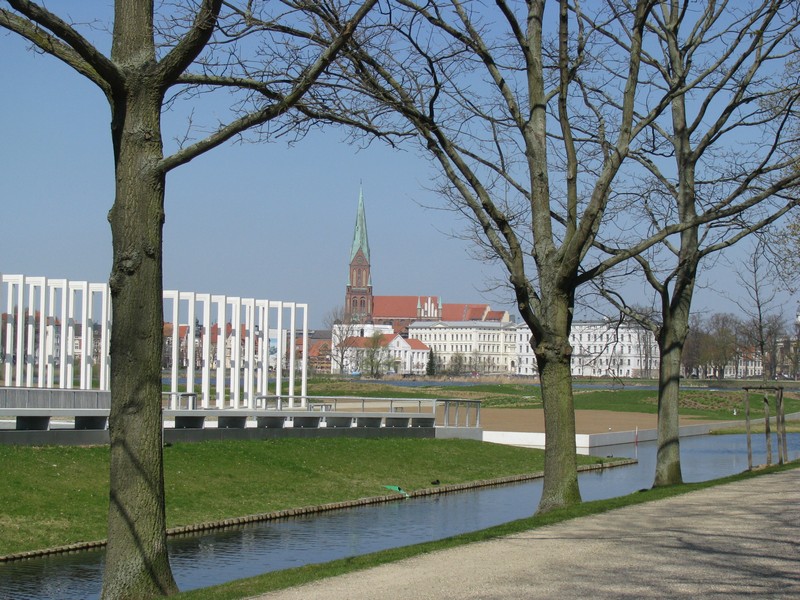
(308, 510)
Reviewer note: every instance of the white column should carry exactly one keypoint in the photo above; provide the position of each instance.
(236, 351)
(20, 318)
(173, 367)
(51, 334)
(64, 372)
(8, 361)
(249, 305)
(105, 331)
(279, 356)
(86, 335)
(222, 306)
(292, 348)
(191, 337)
(304, 364)
(205, 379)
(35, 304)
(263, 346)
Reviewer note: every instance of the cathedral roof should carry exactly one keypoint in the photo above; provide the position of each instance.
(398, 306)
(464, 312)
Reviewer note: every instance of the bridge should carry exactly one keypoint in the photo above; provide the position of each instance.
(53, 416)
(232, 367)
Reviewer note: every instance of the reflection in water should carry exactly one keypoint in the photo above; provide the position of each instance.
(212, 558)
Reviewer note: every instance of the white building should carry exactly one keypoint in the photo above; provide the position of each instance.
(483, 347)
(599, 349)
(385, 353)
(612, 349)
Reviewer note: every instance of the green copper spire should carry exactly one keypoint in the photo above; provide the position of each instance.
(360, 241)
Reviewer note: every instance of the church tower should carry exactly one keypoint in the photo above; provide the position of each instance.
(358, 297)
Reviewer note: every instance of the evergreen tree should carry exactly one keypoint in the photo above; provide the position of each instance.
(430, 369)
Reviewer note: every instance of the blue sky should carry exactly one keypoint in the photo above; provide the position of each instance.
(253, 220)
(250, 220)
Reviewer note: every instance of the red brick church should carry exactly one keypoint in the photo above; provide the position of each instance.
(398, 311)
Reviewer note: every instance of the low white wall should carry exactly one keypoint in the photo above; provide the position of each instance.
(595, 440)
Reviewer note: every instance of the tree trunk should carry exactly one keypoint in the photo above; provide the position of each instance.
(668, 459)
(137, 565)
(553, 355)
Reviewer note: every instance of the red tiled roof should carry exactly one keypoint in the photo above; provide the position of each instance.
(399, 306)
(364, 342)
(319, 348)
(464, 312)
(406, 307)
(417, 344)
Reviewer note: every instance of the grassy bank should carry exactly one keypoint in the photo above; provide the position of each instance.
(246, 588)
(52, 496)
(705, 404)
(791, 427)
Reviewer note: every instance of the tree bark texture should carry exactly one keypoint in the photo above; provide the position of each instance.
(137, 565)
(553, 356)
(668, 457)
(560, 485)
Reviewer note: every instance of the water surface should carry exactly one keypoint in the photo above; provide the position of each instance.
(207, 559)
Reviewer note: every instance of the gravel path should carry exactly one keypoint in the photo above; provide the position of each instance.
(733, 541)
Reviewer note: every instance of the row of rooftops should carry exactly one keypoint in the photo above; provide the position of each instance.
(432, 308)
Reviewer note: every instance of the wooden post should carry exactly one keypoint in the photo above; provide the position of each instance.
(781, 424)
(767, 428)
(747, 428)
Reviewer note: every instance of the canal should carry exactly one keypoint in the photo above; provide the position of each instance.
(208, 559)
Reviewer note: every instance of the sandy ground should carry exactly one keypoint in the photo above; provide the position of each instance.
(586, 421)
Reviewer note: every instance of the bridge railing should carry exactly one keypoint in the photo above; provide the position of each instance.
(33, 408)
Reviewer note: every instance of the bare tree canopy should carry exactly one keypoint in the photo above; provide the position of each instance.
(529, 135)
(546, 117)
(763, 326)
(262, 58)
(721, 160)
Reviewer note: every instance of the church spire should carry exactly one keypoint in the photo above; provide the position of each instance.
(360, 240)
(358, 296)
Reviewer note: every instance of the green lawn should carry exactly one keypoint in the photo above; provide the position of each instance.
(53, 496)
(718, 404)
(247, 588)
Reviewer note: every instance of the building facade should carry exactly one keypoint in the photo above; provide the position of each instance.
(385, 354)
(469, 347)
(600, 349)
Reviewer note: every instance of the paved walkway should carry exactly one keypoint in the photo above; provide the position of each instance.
(733, 541)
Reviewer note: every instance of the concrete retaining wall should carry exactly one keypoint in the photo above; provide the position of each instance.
(596, 440)
(71, 437)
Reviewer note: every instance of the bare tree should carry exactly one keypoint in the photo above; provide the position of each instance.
(723, 342)
(375, 359)
(533, 126)
(155, 62)
(721, 160)
(530, 137)
(763, 326)
(344, 331)
(691, 357)
(786, 246)
(789, 351)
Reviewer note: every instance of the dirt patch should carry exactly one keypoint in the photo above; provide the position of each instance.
(586, 421)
